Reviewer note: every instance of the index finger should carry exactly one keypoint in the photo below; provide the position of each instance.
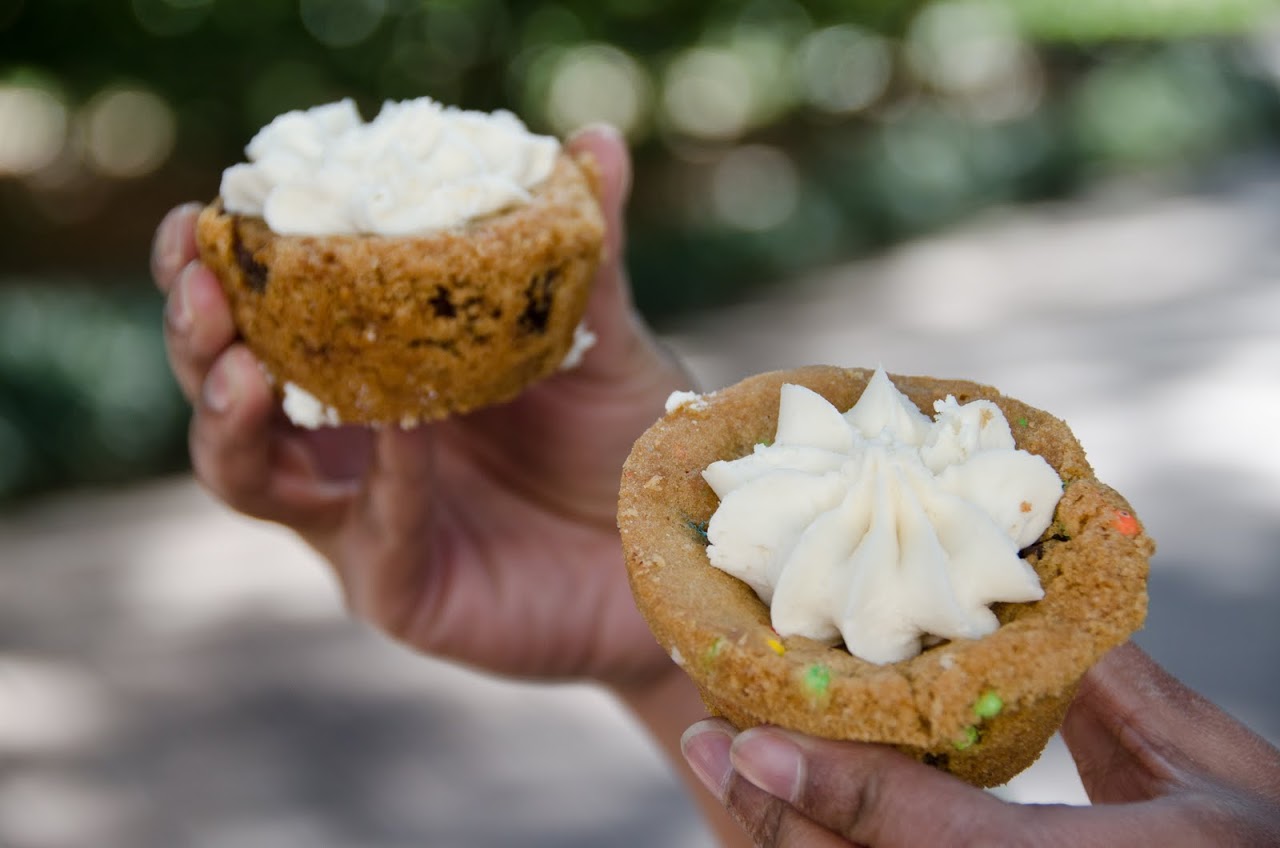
(174, 245)
(1133, 727)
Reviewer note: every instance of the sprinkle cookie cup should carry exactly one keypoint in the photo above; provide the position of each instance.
(982, 709)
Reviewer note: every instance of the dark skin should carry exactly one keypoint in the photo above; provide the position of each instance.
(491, 539)
(464, 538)
(1162, 766)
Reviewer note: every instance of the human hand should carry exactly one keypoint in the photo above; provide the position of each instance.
(488, 538)
(1162, 765)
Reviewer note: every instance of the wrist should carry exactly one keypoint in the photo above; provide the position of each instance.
(664, 696)
(666, 704)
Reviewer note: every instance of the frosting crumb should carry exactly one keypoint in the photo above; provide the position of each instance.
(690, 400)
(306, 410)
(583, 341)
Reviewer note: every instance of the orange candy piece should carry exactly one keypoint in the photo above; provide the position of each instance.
(1126, 523)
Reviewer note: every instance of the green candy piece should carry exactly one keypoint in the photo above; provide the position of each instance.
(969, 739)
(817, 678)
(1022, 422)
(988, 705)
(713, 650)
(699, 528)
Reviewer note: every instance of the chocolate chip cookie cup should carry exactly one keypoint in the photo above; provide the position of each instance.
(427, 309)
(405, 329)
(982, 708)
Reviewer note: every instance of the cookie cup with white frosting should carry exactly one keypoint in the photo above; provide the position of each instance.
(981, 708)
(405, 325)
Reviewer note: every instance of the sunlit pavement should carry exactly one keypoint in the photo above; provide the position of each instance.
(171, 674)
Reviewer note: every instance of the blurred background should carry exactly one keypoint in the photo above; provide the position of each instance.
(1074, 201)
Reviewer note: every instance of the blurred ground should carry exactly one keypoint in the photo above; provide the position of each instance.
(171, 674)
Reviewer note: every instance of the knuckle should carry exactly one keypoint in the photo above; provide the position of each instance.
(185, 371)
(769, 831)
(205, 465)
(758, 813)
(997, 823)
(239, 485)
(1228, 818)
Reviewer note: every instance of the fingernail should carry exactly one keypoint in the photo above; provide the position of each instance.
(600, 127)
(769, 760)
(705, 746)
(168, 248)
(178, 309)
(220, 388)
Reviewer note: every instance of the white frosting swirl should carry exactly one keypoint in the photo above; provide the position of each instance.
(417, 167)
(879, 526)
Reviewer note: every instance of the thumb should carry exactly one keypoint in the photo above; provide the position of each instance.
(623, 344)
(869, 794)
(607, 149)
(874, 796)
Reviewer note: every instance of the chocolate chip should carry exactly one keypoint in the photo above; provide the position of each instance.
(1036, 549)
(538, 298)
(441, 304)
(255, 273)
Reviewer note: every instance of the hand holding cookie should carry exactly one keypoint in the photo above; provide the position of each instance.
(1162, 765)
(488, 537)
(876, 575)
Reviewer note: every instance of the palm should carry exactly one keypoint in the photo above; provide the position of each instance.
(491, 538)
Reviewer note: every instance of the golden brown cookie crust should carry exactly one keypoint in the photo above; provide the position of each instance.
(407, 329)
(1092, 563)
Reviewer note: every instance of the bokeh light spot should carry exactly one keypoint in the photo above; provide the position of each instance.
(33, 129)
(342, 23)
(1141, 112)
(129, 132)
(755, 187)
(767, 56)
(843, 69)
(963, 45)
(708, 93)
(973, 51)
(598, 82)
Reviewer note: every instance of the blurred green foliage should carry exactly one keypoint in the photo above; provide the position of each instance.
(770, 136)
(85, 394)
